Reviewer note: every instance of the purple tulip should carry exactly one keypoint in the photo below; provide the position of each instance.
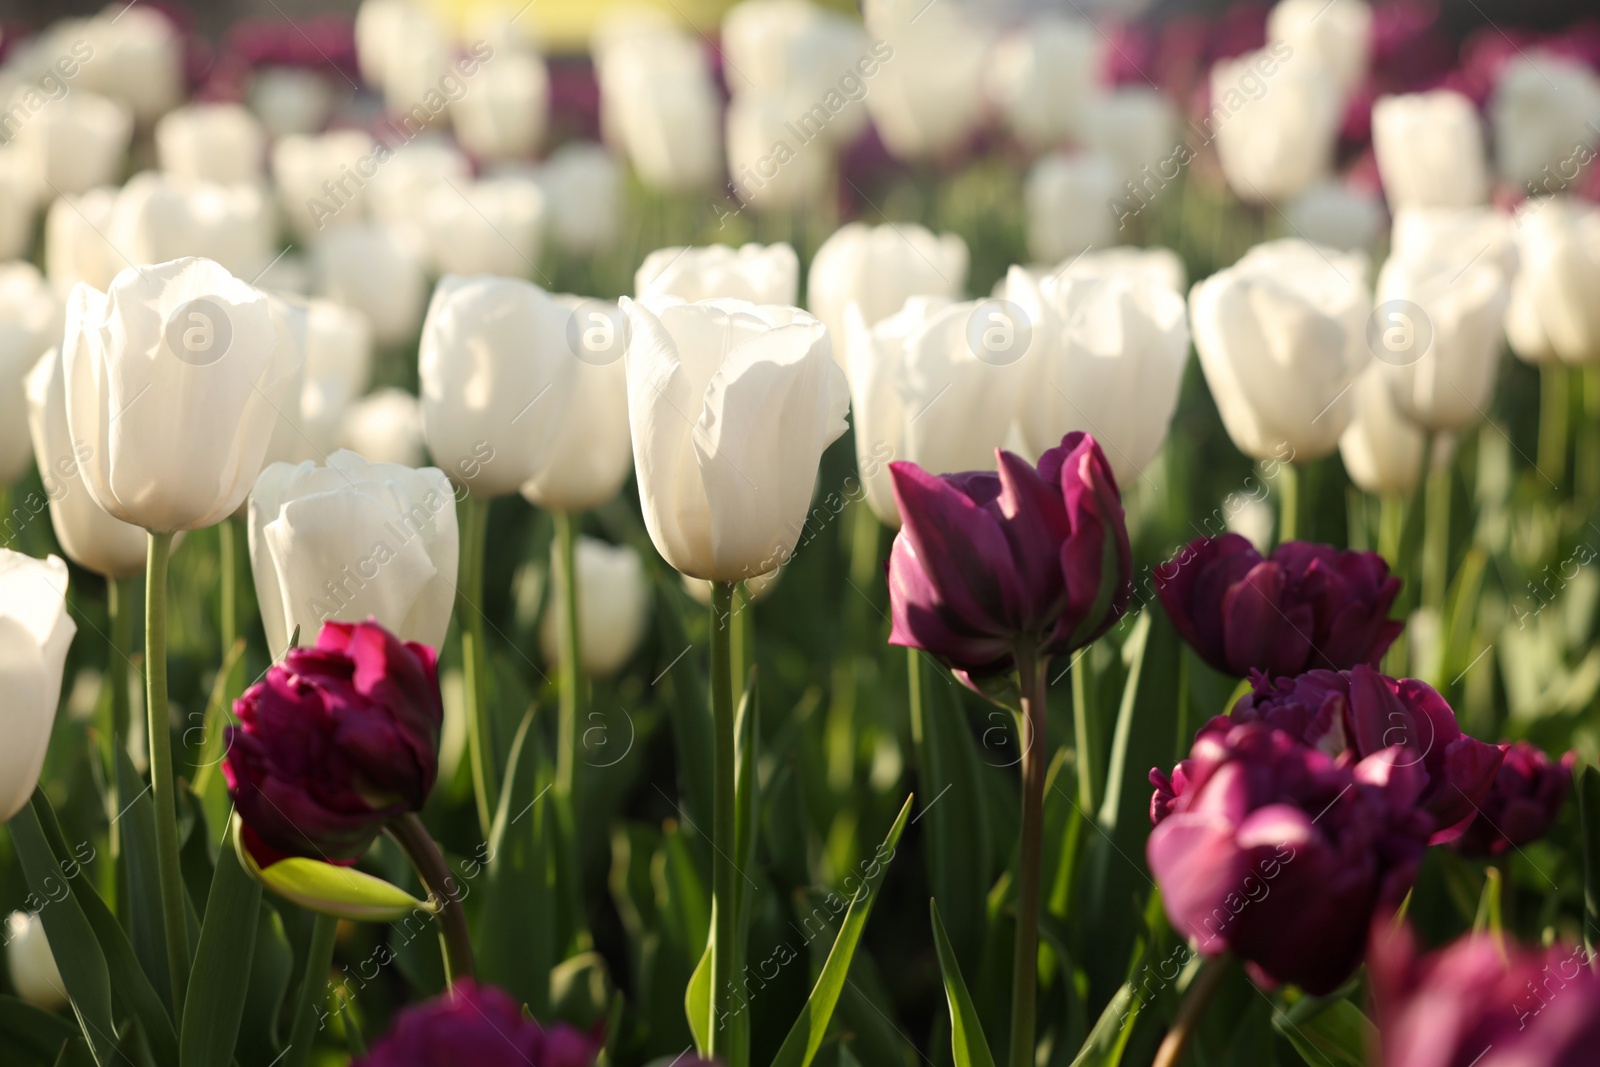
(1476, 1003)
(481, 1026)
(1306, 606)
(1281, 854)
(1365, 712)
(1523, 802)
(336, 741)
(987, 562)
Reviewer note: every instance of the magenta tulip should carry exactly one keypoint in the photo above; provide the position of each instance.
(337, 741)
(1306, 606)
(1523, 802)
(481, 1026)
(1365, 712)
(1281, 854)
(1032, 558)
(1478, 1003)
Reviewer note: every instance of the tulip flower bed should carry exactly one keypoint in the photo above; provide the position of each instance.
(716, 552)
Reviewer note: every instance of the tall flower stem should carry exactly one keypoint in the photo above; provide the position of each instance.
(173, 915)
(1391, 528)
(1436, 524)
(1288, 502)
(1553, 412)
(571, 669)
(1035, 765)
(312, 991)
(119, 605)
(1195, 1002)
(725, 962)
(474, 524)
(418, 845)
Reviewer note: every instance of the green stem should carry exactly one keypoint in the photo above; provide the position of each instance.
(1035, 765)
(1086, 737)
(418, 845)
(1391, 528)
(474, 521)
(1553, 383)
(1586, 465)
(1288, 502)
(1195, 1002)
(119, 605)
(228, 548)
(313, 989)
(1436, 526)
(739, 638)
(571, 664)
(162, 788)
(724, 874)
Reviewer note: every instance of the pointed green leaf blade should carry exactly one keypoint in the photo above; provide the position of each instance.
(221, 974)
(967, 1043)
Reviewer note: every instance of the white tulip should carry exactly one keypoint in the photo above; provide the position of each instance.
(593, 451)
(503, 113)
(879, 268)
(498, 371)
(35, 632)
(157, 218)
(1282, 138)
(1545, 112)
(582, 185)
(1070, 204)
(772, 168)
(1381, 450)
(756, 589)
(658, 103)
(1281, 337)
(1429, 148)
(350, 541)
(493, 226)
(1043, 79)
(175, 378)
(613, 607)
(1554, 313)
(1134, 126)
(411, 175)
(291, 101)
(1335, 35)
(1157, 265)
(801, 52)
(138, 60)
(89, 536)
(921, 392)
(731, 406)
(1336, 214)
(30, 323)
(338, 346)
(19, 189)
(1456, 236)
(378, 25)
(759, 274)
(380, 271)
(33, 967)
(322, 179)
(76, 143)
(385, 427)
(75, 245)
(221, 143)
(927, 97)
(1107, 357)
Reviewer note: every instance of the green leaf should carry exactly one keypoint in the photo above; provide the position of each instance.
(514, 928)
(967, 1043)
(1111, 1032)
(30, 1035)
(697, 996)
(800, 1047)
(220, 977)
(1327, 1031)
(72, 941)
(1488, 917)
(208, 784)
(260, 1039)
(137, 824)
(340, 892)
(1588, 782)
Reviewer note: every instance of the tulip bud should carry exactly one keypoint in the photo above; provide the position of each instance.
(1281, 337)
(1337, 215)
(379, 270)
(1543, 111)
(1107, 357)
(291, 101)
(157, 218)
(485, 1021)
(336, 741)
(659, 105)
(591, 452)
(1043, 79)
(19, 193)
(927, 98)
(1367, 713)
(322, 179)
(503, 114)
(1306, 606)
(1135, 127)
(724, 481)
(613, 607)
(1382, 451)
(489, 227)
(1523, 803)
(1280, 139)
(76, 143)
(1068, 200)
(583, 193)
(75, 245)
(405, 183)
(1335, 35)
(770, 171)
(34, 974)
(1430, 150)
(1275, 852)
(30, 323)
(497, 372)
(1552, 315)
(985, 563)
(220, 143)
(385, 427)
(879, 268)
(759, 274)
(137, 59)
(88, 535)
(193, 366)
(35, 632)
(338, 364)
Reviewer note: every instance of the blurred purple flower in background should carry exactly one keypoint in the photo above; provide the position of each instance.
(478, 1026)
(1523, 802)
